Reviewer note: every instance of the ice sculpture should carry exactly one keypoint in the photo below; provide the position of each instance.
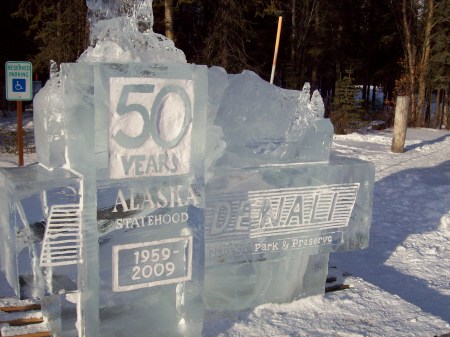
(264, 124)
(155, 176)
(121, 31)
(276, 204)
(127, 255)
(37, 207)
(136, 133)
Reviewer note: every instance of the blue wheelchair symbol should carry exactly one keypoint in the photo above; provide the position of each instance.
(18, 85)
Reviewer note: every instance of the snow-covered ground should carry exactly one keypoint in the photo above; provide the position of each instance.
(9, 124)
(400, 285)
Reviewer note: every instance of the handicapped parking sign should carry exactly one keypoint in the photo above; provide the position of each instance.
(19, 81)
(19, 85)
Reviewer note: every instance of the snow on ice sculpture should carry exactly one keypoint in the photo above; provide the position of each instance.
(276, 203)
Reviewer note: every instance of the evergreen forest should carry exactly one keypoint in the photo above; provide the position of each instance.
(386, 47)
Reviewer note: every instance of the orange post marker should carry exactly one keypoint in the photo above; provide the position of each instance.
(275, 54)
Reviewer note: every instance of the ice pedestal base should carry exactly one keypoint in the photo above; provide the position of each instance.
(40, 253)
(28, 252)
(249, 284)
(269, 230)
(136, 133)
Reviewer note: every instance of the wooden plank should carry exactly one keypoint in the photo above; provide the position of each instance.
(23, 321)
(337, 287)
(21, 308)
(40, 330)
(35, 334)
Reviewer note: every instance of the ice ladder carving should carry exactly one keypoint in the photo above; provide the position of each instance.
(62, 239)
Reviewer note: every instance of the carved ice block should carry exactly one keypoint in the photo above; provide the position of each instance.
(32, 243)
(136, 133)
(276, 204)
(262, 124)
(269, 230)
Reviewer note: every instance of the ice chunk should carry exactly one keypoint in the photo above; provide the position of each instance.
(102, 112)
(27, 196)
(135, 135)
(109, 9)
(265, 124)
(119, 40)
(123, 32)
(48, 124)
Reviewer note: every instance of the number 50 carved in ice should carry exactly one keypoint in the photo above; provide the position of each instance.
(152, 119)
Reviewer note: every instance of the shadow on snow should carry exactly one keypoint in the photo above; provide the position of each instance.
(409, 202)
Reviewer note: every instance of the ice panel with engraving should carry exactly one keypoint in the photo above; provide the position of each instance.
(265, 226)
(151, 249)
(143, 126)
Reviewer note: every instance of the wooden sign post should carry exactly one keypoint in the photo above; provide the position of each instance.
(19, 87)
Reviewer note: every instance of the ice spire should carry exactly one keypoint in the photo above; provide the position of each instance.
(143, 12)
(122, 31)
(308, 109)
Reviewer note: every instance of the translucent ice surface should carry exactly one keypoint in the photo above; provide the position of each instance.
(276, 206)
(263, 124)
(269, 230)
(190, 186)
(29, 199)
(122, 31)
(146, 180)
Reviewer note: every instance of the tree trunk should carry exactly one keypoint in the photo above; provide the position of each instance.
(294, 77)
(428, 108)
(293, 36)
(400, 124)
(168, 19)
(410, 50)
(312, 17)
(437, 111)
(445, 109)
(423, 66)
(374, 96)
(314, 80)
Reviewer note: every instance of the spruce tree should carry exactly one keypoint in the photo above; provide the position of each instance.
(346, 116)
(59, 29)
(440, 63)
